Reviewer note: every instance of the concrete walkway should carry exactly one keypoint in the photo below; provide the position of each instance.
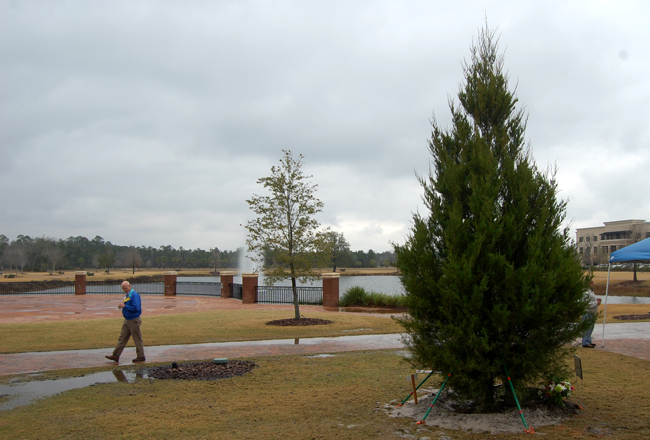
(632, 339)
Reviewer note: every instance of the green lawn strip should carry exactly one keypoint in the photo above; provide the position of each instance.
(299, 397)
(184, 328)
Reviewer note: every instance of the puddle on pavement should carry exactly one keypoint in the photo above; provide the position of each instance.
(24, 393)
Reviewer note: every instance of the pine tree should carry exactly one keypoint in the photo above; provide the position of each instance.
(491, 277)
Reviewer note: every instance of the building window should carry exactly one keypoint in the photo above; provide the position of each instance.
(595, 238)
(647, 235)
(580, 250)
(580, 239)
(612, 249)
(595, 249)
(588, 238)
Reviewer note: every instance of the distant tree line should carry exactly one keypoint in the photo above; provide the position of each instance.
(49, 254)
(45, 254)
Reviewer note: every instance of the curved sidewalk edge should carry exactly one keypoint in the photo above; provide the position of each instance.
(631, 339)
(20, 363)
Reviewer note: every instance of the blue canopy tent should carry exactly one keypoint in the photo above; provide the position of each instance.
(636, 252)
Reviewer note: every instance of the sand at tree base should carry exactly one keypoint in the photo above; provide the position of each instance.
(444, 416)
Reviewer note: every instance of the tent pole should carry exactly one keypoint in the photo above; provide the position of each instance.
(602, 340)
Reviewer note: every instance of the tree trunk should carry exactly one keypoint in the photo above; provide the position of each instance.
(635, 279)
(296, 307)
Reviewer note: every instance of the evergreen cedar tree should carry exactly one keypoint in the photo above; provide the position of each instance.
(491, 278)
(285, 236)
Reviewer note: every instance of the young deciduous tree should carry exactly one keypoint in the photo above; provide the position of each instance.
(215, 258)
(130, 257)
(338, 247)
(285, 225)
(52, 253)
(492, 279)
(107, 260)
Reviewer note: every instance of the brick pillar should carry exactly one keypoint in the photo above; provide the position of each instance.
(170, 283)
(249, 288)
(331, 290)
(226, 281)
(80, 282)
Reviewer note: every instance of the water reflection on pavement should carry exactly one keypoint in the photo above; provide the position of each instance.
(24, 393)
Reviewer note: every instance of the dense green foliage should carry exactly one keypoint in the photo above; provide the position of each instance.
(82, 253)
(358, 296)
(491, 277)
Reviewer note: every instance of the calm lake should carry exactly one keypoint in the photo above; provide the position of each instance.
(391, 285)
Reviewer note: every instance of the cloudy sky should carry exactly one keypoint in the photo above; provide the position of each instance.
(149, 122)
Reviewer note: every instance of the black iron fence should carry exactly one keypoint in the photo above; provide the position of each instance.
(36, 288)
(116, 289)
(45, 288)
(265, 294)
(236, 291)
(284, 295)
(198, 288)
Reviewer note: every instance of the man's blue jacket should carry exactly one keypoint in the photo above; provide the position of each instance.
(132, 306)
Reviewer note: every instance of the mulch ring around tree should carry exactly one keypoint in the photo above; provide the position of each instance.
(633, 317)
(299, 322)
(206, 370)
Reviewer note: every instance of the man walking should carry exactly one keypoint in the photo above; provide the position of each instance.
(131, 310)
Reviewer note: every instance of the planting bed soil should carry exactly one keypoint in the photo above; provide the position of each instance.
(299, 322)
(633, 317)
(207, 370)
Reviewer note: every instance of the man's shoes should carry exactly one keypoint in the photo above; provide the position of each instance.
(589, 346)
(141, 359)
(113, 358)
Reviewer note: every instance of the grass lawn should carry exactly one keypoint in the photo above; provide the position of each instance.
(184, 328)
(212, 326)
(298, 397)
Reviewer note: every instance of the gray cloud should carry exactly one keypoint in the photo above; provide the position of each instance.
(150, 122)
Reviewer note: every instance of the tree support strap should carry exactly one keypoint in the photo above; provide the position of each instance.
(521, 413)
(421, 422)
(416, 388)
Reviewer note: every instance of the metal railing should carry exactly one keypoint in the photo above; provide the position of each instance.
(40, 288)
(284, 295)
(116, 289)
(198, 288)
(236, 291)
(36, 288)
(265, 294)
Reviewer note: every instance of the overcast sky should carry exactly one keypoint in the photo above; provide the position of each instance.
(149, 123)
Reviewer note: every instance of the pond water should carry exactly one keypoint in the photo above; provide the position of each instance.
(391, 285)
(24, 393)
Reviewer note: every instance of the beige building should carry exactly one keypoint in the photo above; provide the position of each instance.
(595, 244)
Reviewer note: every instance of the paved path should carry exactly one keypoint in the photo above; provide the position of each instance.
(632, 339)
(57, 360)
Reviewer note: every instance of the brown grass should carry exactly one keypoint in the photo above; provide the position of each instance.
(100, 275)
(623, 309)
(188, 328)
(297, 397)
(623, 288)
